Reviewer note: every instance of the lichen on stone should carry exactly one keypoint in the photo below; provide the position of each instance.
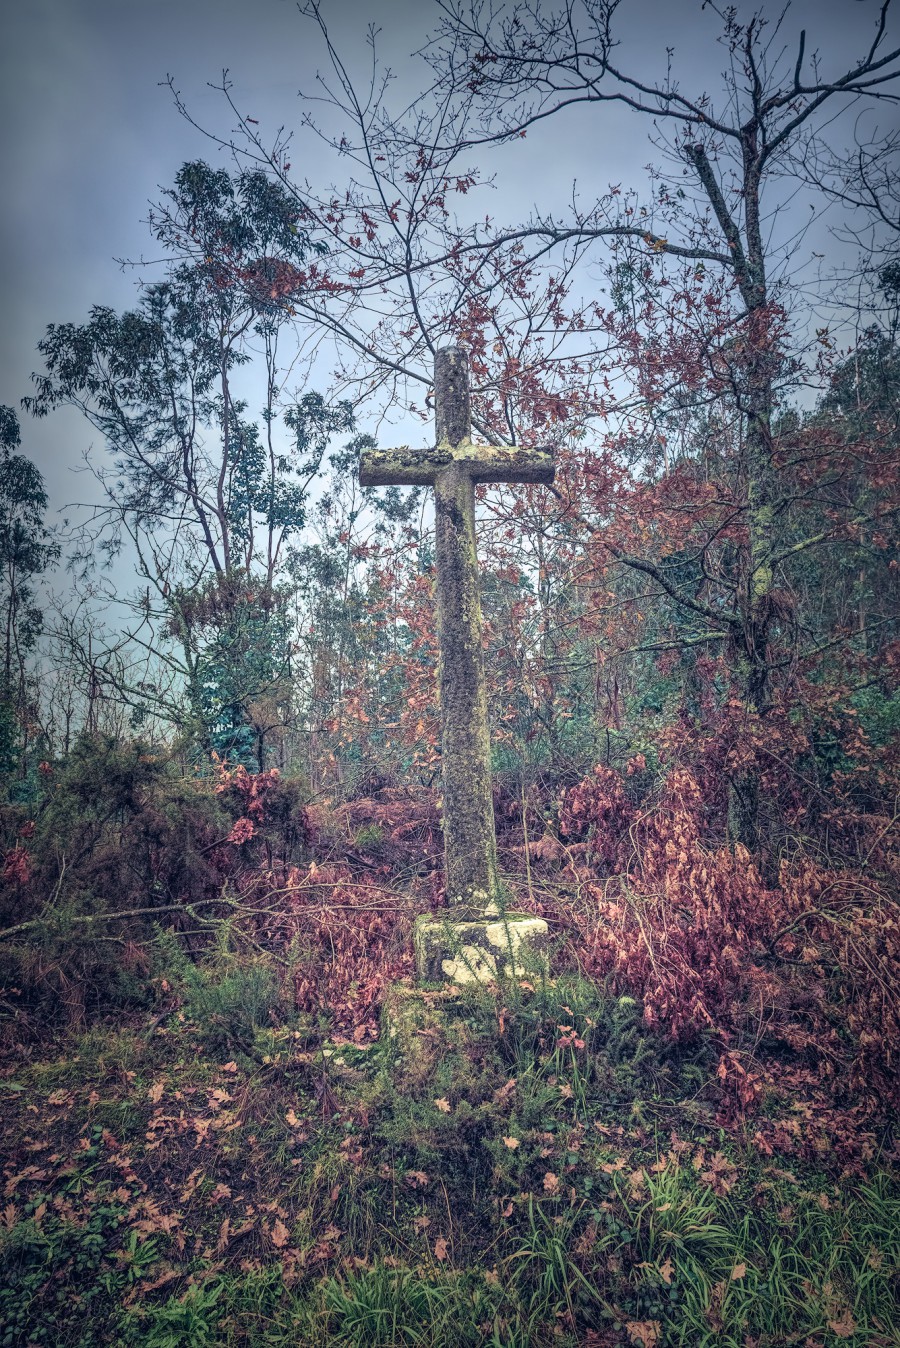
(479, 951)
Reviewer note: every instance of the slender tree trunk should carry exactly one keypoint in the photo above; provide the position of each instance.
(756, 578)
(753, 377)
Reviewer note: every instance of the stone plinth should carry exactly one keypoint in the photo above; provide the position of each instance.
(479, 950)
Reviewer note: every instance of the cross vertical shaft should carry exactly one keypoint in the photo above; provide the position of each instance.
(470, 848)
(452, 468)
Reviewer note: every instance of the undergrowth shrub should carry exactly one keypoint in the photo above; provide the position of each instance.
(807, 964)
(121, 838)
(348, 938)
(229, 996)
(794, 951)
(66, 970)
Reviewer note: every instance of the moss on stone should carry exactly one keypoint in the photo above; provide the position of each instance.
(452, 468)
(468, 812)
(419, 1027)
(479, 951)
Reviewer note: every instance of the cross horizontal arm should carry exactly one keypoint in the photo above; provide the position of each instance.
(405, 467)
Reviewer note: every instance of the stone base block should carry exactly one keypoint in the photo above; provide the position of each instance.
(419, 1028)
(479, 950)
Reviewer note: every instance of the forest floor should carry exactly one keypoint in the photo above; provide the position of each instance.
(507, 1167)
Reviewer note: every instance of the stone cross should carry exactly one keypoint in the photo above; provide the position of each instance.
(452, 468)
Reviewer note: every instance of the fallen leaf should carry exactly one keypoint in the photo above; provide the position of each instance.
(511, 1142)
(551, 1182)
(666, 1270)
(193, 1180)
(443, 1105)
(645, 1332)
(440, 1248)
(421, 1223)
(845, 1327)
(161, 1281)
(155, 1093)
(280, 1234)
(637, 1180)
(738, 1272)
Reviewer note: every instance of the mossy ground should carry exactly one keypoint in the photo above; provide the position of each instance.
(523, 1167)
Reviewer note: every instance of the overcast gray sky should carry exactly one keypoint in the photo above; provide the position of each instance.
(89, 136)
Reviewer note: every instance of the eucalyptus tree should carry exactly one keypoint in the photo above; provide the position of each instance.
(202, 496)
(27, 549)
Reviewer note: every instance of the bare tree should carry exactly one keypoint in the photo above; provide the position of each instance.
(409, 261)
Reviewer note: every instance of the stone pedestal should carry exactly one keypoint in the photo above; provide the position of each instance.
(420, 1028)
(479, 950)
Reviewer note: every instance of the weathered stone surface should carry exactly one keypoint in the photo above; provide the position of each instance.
(406, 467)
(452, 411)
(419, 1028)
(453, 468)
(470, 849)
(481, 950)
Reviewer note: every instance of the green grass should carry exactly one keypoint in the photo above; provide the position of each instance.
(533, 1169)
